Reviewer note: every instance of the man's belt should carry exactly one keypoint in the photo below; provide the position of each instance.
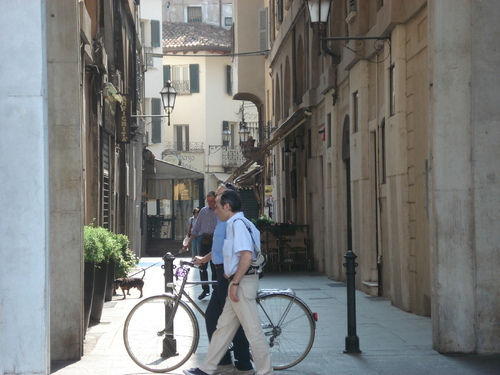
(251, 271)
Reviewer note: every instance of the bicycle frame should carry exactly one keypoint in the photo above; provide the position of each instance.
(287, 322)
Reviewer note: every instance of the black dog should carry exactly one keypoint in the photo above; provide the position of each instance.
(125, 284)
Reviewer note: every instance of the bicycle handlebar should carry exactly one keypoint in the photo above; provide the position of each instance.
(188, 263)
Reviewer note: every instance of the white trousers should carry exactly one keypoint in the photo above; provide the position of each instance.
(243, 312)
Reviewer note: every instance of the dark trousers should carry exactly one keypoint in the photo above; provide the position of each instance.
(241, 347)
(204, 250)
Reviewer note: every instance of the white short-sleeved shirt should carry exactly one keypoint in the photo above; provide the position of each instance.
(238, 239)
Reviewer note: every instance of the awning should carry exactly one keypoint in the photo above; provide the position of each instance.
(251, 173)
(290, 124)
(168, 171)
(159, 185)
(222, 177)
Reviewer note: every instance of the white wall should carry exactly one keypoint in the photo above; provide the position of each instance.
(24, 223)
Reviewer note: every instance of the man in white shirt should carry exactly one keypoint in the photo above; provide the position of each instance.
(241, 306)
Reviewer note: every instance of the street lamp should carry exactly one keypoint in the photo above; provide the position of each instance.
(319, 10)
(244, 132)
(168, 95)
(226, 136)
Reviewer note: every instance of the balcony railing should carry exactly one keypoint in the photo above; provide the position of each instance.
(184, 146)
(232, 157)
(182, 87)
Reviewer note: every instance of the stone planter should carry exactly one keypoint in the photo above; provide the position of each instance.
(110, 278)
(88, 281)
(99, 292)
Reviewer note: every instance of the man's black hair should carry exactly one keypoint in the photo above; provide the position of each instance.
(231, 197)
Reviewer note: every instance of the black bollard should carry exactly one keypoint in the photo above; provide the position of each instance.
(169, 343)
(168, 267)
(351, 340)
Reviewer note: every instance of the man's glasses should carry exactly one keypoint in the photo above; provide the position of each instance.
(230, 186)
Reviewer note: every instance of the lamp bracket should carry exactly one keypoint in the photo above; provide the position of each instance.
(212, 149)
(360, 44)
(143, 116)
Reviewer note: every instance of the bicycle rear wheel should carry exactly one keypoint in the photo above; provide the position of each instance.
(289, 328)
(154, 340)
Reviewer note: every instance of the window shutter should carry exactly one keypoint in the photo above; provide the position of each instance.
(229, 81)
(155, 33)
(166, 73)
(263, 29)
(194, 78)
(156, 123)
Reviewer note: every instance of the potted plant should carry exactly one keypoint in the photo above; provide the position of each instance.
(126, 259)
(93, 254)
(120, 263)
(110, 250)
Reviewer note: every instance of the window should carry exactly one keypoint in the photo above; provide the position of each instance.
(351, 6)
(106, 182)
(185, 78)
(156, 109)
(382, 151)
(392, 90)
(329, 130)
(263, 29)
(181, 133)
(229, 80)
(355, 111)
(351, 10)
(228, 21)
(279, 11)
(194, 14)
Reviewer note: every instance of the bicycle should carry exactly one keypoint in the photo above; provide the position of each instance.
(162, 332)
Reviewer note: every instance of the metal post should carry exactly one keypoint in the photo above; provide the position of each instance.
(168, 267)
(351, 340)
(169, 342)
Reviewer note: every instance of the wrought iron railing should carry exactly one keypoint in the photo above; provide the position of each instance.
(184, 146)
(232, 157)
(182, 87)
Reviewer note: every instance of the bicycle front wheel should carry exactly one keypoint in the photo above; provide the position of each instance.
(157, 339)
(289, 329)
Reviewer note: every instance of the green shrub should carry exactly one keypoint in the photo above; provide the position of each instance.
(101, 245)
(93, 248)
(125, 259)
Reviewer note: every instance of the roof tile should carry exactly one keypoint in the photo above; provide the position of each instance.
(179, 35)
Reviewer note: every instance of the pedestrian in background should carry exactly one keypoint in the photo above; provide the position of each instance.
(195, 244)
(241, 305)
(204, 227)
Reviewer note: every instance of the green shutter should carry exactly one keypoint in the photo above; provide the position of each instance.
(229, 86)
(249, 203)
(156, 123)
(155, 33)
(166, 73)
(194, 78)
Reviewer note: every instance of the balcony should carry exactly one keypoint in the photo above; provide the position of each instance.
(233, 157)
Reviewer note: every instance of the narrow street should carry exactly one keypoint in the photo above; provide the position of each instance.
(392, 341)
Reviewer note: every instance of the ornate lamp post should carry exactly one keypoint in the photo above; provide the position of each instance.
(168, 95)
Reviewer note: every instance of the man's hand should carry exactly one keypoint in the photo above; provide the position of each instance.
(198, 260)
(204, 259)
(243, 266)
(233, 290)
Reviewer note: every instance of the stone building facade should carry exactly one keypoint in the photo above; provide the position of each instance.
(71, 84)
(394, 118)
